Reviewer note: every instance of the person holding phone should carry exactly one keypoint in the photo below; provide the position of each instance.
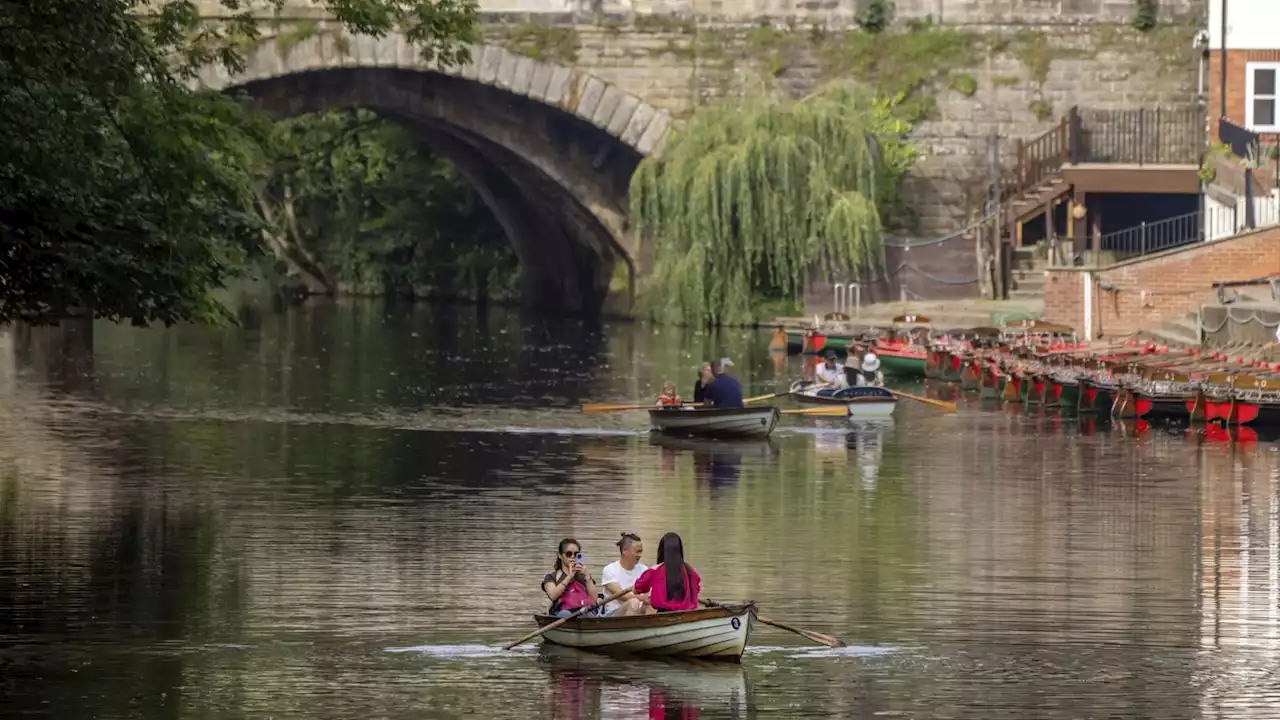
(569, 586)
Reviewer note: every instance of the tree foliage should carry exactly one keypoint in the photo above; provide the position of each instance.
(122, 191)
(753, 192)
(359, 206)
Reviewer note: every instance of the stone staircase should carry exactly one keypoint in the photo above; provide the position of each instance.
(1181, 332)
(1029, 264)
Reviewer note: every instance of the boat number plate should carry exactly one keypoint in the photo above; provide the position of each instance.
(736, 623)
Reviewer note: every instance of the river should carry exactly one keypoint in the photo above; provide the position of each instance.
(344, 511)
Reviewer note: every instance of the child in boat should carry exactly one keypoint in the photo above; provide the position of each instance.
(668, 398)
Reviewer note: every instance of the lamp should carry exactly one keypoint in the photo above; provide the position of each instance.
(1078, 212)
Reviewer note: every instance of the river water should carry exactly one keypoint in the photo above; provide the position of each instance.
(344, 511)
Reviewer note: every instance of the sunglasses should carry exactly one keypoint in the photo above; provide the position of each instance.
(571, 553)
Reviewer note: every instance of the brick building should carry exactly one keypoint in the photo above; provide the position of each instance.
(1248, 93)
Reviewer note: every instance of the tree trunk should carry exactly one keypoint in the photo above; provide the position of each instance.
(300, 263)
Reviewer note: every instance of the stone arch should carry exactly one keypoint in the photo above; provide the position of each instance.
(565, 140)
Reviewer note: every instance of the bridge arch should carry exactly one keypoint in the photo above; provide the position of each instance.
(549, 147)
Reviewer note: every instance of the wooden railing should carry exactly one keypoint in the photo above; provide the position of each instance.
(1135, 137)
(1040, 159)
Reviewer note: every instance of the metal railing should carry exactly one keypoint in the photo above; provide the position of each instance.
(1153, 237)
(1138, 137)
(1210, 224)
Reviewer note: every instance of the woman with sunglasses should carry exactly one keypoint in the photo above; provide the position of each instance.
(569, 586)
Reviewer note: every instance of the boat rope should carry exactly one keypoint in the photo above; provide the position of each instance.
(908, 245)
(1229, 318)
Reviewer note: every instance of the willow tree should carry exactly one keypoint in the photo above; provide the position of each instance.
(752, 192)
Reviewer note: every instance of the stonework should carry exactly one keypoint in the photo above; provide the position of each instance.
(1175, 283)
(631, 71)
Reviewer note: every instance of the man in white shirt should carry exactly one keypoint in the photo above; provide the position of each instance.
(621, 575)
(831, 373)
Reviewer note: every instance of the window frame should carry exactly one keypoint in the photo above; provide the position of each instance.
(1249, 97)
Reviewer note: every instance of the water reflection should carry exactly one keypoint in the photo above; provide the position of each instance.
(715, 462)
(590, 686)
(207, 523)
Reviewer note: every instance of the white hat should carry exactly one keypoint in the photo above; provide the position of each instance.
(726, 362)
(870, 363)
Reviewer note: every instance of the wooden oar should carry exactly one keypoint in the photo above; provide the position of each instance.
(758, 398)
(613, 407)
(811, 635)
(832, 410)
(561, 621)
(948, 406)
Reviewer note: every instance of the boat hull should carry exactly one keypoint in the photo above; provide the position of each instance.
(716, 633)
(900, 363)
(717, 423)
(863, 402)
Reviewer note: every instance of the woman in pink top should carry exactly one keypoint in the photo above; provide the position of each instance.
(672, 585)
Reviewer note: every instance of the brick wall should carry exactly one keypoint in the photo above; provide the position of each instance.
(1237, 60)
(1179, 281)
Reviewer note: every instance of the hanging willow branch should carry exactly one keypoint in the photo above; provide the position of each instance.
(752, 192)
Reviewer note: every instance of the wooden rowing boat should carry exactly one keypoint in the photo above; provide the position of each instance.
(863, 402)
(714, 633)
(715, 422)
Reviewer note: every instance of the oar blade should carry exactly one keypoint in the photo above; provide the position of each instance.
(826, 411)
(611, 407)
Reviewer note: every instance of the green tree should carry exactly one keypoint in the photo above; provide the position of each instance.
(360, 206)
(752, 193)
(123, 192)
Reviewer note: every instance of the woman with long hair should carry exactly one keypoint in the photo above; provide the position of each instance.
(569, 586)
(672, 584)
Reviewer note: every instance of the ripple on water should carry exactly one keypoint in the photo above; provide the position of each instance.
(307, 522)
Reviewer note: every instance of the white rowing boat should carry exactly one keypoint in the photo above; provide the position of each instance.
(715, 422)
(864, 402)
(714, 633)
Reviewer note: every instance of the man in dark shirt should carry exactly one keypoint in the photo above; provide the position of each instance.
(724, 391)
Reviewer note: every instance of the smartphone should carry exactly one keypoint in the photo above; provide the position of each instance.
(579, 559)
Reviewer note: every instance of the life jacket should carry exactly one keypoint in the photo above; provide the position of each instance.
(669, 399)
(574, 597)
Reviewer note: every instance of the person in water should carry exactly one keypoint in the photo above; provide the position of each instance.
(621, 575)
(669, 397)
(724, 391)
(569, 586)
(704, 378)
(672, 584)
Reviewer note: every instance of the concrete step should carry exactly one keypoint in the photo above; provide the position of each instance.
(1027, 282)
(1020, 294)
(1165, 334)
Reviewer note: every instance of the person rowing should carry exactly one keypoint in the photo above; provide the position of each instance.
(724, 391)
(830, 374)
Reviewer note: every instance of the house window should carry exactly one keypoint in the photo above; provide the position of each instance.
(1262, 99)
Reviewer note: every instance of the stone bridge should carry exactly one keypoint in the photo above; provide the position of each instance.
(559, 102)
